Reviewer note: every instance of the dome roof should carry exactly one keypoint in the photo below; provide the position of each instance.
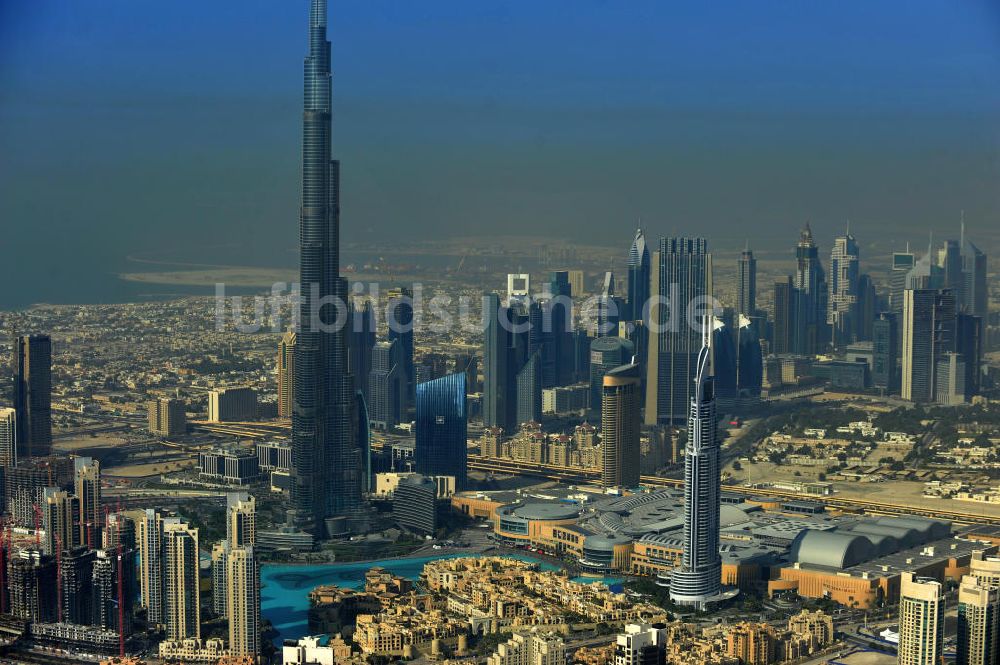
(832, 549)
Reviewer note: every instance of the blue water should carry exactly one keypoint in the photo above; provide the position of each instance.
(284, 596)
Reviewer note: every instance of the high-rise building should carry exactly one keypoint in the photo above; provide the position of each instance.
(8, 437)
(243, 601)
(842, 302)
(575, 278)
(518, 288)
(166, 416)
(385, 385)
(528, 381)
(978, 635)
(60, 513)
(969, 343)
(557, 331)
(929, 329)
(399, 316)
(76, 584)
(638, 276)
(286, 373)
(746, 283)
(986, 569)
(752, 643)
(682, 277)
(749, 357)
(24, 485)
(902, 264)
(949, 259)
(241, 519)
(606, 353)
(442, 422)
(498, 410)
(415, 502)
(153, 567)
(868, 304)
(325, 475)
(641, 644)
(620, 423)
(533, 648)
(809, 329)
(974, 289)
(921, 621)
(31, 583)
(220, 553)
(949, 379)
(114, 585)
(885, 353)
(87, 486)
(32, 370)
(232, 404)
(182, 604)
(697, 581)
(119, 530)
(609, 307)
(783, 316)
(360, 342)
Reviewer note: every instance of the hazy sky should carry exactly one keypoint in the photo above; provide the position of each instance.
(131, 125)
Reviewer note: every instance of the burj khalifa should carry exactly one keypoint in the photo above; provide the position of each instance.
(326, 461)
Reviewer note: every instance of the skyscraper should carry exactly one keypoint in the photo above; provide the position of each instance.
(241, 519)
(809, 329)
(783, 330)
(325, 475)
(620, 423)
(683, 277)
(360, 342)
(182, 604)
(606, 353)
(921, 621)
(885, 353)
(969, 343)
(8, 437)
(978, 623)
(442, 422)
(929, 329)
(746, 283)
(60, 514)
(697, 581)
(609, 307)
(529, 390)
(842, 302)
(902, 264)
(399, 316)
(497, 373)
(286, 373)
(638, 276)
(88, 490)
(974, 289)
(385, 385)
(153, 569)
(32, 370)
(243, 601)
(167, 416)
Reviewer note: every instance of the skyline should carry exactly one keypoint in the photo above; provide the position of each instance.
(695, 119)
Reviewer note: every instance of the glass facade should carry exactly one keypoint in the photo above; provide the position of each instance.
(442, 419)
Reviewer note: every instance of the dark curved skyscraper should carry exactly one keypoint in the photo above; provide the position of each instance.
(638, 276)
(325, 457)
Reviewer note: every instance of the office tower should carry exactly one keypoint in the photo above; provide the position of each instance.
(325, 478)
(606, 353)
(364, 443)
(620, 423)
(32, 370)
(902, 264)
(868, 304)
(182, 607)
(746, 283)
(949, 259)
(518, 288)
(76, 582)
(88, 491)
(783, 335)
(638, 277)
(974, 290)
(286, 373)
(533, 648)
(969, 343)
(60, 515)
(414, 504)
(697, 580)
(809, 329)
(442, 422)
(921, 621)
(399, 316)
(925, 274)
(220, 592)
(385, 385)
(31, 583)
(360, 342)
(928, 333)
(528, 382)
(232, 404)
(166, 416)
(978, 623)
(241, 519)
(497, 374)
(949, 379)
(749, 358)
(723, 364)
(8, 437)
(641, 644)
(683, 277)
(557, 322)
(243, 601)
(114, 586)
(885, 353)
(152, 569)
(609, 307)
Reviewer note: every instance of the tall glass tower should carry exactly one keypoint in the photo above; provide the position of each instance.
(325, 460)
(697, 581)
(638, 276)
(442, 421)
